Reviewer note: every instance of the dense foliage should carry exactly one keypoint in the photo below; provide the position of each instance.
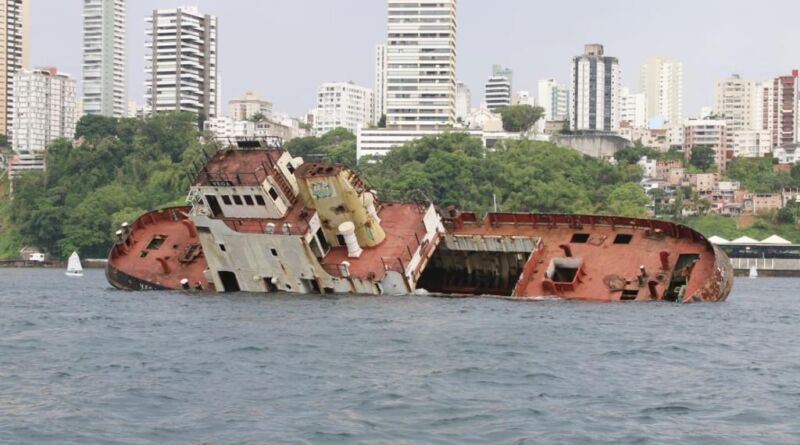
(337, 146)
(702, 158)
(633, 154)
(123, 168)
(757, 175)
(520, 118)
(522, 175)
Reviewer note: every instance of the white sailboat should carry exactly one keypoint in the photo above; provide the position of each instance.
(753, 272)
(74, 268)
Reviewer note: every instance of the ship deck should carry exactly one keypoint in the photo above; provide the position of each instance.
(162, 249)
(404, 228)
(602, 260)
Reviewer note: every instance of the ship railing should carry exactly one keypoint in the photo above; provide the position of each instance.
(401, 262)
(572, 221)
(232, 179)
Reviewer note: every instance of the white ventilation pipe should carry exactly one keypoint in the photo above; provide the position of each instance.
(348, 231)
(369, 204)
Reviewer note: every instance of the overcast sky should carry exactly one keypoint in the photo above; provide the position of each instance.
(285, 48)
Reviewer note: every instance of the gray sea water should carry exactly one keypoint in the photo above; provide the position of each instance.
(83, 364)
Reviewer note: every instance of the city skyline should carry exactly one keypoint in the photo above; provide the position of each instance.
(709, 49)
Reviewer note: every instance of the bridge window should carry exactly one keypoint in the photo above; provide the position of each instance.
(248, 200)
(226, 199)
(237, 199)
(260, 200)
(273, 194)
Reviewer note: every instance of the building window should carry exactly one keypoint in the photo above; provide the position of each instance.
(226, 199)
(260, 200)
(237, 199)
(248, 200)
(290, 167)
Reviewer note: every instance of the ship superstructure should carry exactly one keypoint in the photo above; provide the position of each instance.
(259, 220)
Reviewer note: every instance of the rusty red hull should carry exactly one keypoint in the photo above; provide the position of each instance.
(582, 257)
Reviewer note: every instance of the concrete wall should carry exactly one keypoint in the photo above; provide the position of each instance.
(594, 145)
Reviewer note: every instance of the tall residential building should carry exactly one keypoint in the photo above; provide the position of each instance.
(343, 105)
(13, 54)
(499, 87)
(736, 100)
(248, 105)
(595, 91)
(632, 108)
(45, 108)
(780, 114)
(709, 133)
(662, 83)
(463, 101)
(554, 99)
(379, 94)
(105, 87)
(181, 55)
(421, 64)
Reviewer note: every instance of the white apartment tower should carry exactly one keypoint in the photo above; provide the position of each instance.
(13, 54)
(45, 108)
(343, 105)
(249, 104)
(595, 91)
(105, 87)
(463, 101)
(421, 64)
(181, 56)
(554, 99)
(379, 94)
(632, 108)
(662, 83)
(498, 88)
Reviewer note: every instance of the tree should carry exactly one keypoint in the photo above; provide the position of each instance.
(702, 157)
(3, 141)
(257, 117)
(520, 118)
(628, 199)
(94, 126)
(382, 121)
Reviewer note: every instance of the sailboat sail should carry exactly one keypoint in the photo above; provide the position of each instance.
(74, 264)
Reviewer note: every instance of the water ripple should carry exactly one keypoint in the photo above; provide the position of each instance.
(81, 363)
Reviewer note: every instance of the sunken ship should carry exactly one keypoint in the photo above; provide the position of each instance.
(259, 220)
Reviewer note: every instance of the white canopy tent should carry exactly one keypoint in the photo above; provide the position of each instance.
(718, 240)
(745, 240)
(775, 239)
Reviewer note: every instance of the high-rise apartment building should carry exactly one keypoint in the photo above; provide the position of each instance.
(632, 108)
(463, 101)
(343, 105)
(780, 114)
(248, 105)
(736, 100)
(181, 56)
(105, 87)
(498, 88)
(708, 133)
(379, 94)
(595, 91)
(13, 55)
(421, 64)
(662, 83)
(45, 108)
(554, 99)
